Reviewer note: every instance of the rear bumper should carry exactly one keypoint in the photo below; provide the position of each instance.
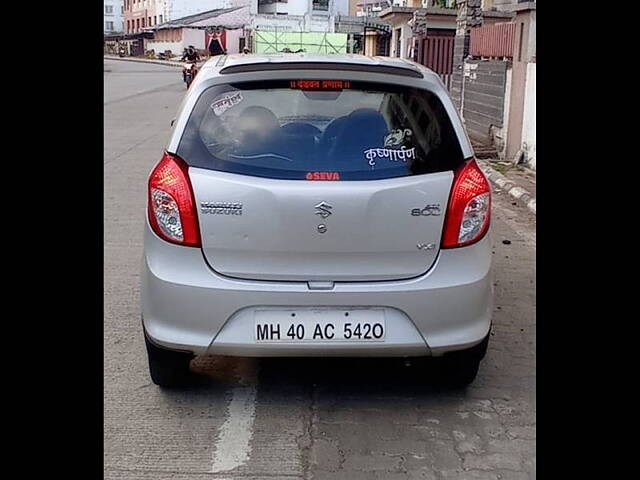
(187, 306)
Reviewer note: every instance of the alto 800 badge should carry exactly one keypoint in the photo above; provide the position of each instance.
(428, 211)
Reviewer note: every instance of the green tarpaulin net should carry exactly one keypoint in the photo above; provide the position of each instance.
(310, 42)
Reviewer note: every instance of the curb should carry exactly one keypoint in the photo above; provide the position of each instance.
(524, 197)
(144, 60)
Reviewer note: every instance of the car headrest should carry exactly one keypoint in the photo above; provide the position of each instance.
(362, 129)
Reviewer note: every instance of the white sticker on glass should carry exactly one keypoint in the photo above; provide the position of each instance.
(397, 137)
(393, 155)
(225, 103)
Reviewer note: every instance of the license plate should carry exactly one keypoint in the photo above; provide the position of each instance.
(319, 326)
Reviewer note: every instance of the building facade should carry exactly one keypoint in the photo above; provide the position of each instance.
(372, 8)
(441, 23)
(297, 15)
(113, 13)
(369, 8)
(499, 5)
(300, 7)
(226, 25)
(142, 14)
(298, 25)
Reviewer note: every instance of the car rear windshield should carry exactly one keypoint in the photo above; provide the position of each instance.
(320, 130)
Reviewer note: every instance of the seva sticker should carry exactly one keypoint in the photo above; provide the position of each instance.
(322, 176)
(225, 103)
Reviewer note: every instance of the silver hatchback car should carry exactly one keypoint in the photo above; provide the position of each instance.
(317, 206)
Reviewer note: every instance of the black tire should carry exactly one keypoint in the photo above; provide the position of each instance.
(168, 368)
(459, 369)
(188, 81)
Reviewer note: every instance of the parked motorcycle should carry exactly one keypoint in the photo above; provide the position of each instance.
(122, 51)
(189, 71)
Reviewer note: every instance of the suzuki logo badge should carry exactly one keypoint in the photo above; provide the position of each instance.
(323, 209)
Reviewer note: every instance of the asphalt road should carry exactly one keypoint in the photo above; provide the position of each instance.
(307, 419)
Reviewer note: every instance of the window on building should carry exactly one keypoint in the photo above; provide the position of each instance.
(160, 18)
(108, 26)
(398, 40)
(270, 6)
(520, 42)
(321, 5)
(108, 9)
(144, 20)
(137, 24)
(155, 19)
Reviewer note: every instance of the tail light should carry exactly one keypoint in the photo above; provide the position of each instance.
(469, 209)
(172, 207)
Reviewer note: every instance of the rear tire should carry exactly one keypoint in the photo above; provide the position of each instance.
(168, 368)
(188, 82)
(459, 369)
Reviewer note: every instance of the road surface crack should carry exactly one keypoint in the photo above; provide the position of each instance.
(306, 439)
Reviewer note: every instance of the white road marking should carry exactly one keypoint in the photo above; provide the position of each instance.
(233, 446)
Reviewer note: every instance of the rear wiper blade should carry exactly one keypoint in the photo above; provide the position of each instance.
(260, 155)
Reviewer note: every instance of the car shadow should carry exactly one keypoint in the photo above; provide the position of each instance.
(348, 376)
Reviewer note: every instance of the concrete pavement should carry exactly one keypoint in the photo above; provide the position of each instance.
(298, 419)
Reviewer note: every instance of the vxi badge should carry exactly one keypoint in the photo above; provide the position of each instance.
(221, 208)
(432, 209)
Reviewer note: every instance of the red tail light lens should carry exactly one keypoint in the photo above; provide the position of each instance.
(469, 209)
(171, 205)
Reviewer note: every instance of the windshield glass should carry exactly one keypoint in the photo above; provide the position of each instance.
(320, 130)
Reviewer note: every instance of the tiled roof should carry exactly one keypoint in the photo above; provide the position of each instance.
(234, 17)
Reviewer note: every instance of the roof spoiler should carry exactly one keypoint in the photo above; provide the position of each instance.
(262, 66)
